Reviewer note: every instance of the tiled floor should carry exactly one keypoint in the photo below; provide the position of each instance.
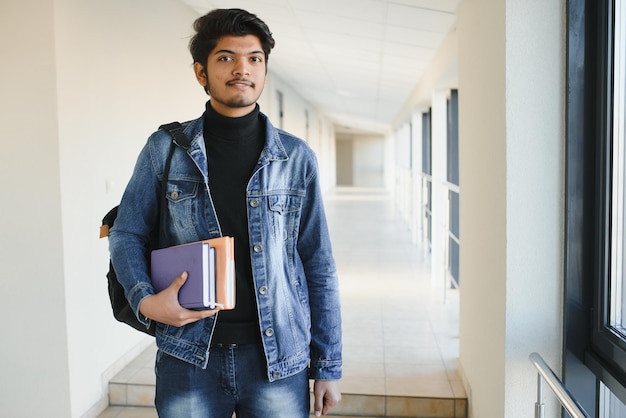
(400, 328)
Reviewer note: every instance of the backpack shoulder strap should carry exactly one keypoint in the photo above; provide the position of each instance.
(175, 129)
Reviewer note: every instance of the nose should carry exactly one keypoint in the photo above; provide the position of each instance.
(241, 68)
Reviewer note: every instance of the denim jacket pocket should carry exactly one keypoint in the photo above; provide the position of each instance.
(284, 214)
(183, 205)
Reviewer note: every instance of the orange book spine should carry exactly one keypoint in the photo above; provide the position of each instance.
(224, 271)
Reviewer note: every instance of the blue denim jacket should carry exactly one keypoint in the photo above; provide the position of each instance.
(293, 268)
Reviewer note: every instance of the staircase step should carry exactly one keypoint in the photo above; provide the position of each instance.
(144, 412)
(141, 395)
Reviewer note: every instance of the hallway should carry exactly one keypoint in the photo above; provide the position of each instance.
(400, 329)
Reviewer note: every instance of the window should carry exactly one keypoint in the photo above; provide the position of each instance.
(610, 405)
(453, 187)
(595, 270)
(427, 191)
(426, 143)
(617, 314)
(607, 356)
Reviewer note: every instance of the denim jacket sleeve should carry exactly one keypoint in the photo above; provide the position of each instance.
(314, 248)
(130, 235)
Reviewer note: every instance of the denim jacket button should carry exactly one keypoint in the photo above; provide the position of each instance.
(174, 195)
(257, 248)
(263, 290)
(254, 203)
(269, 332)
(276, 375)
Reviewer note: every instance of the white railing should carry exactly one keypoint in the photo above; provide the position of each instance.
(560, 391)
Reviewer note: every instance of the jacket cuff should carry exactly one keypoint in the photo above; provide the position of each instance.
(136, 296)
(325, 370)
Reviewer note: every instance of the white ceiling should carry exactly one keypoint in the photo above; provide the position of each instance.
(357, 61)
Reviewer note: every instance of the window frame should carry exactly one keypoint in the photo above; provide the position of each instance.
(593, 351)
(606, 355)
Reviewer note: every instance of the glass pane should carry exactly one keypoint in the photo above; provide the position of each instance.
(617, 312)
(610, 405)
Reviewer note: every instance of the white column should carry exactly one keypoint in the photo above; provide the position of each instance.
(439, 194)
(417, 189)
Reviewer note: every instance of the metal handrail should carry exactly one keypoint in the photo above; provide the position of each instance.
(560, 391)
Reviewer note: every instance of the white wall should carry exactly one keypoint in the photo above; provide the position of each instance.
(83, 85)
(362, 159)
(369, 154)
(34, 365)
(511, 91)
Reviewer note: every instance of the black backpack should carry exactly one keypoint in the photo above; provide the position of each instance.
(119, 304)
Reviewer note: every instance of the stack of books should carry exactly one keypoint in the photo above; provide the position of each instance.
(210, 267)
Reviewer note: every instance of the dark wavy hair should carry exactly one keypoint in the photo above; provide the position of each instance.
(227, 22)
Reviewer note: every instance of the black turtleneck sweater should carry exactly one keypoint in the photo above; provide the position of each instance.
(233, 147)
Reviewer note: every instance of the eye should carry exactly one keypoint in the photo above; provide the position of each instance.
(256, 59)
(225, 58)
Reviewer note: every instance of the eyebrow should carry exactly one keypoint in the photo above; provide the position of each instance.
(229, 51)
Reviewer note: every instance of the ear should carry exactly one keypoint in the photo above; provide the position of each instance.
(200, 72)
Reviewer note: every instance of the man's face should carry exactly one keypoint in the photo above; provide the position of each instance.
(235, 74)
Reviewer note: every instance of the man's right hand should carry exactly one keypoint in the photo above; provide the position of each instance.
(164, 306)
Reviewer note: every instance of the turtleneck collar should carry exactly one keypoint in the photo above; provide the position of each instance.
(223, 127)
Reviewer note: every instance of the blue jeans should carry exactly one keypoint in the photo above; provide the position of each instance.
(234, 381)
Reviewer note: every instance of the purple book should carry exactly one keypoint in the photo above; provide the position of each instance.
(198, 260)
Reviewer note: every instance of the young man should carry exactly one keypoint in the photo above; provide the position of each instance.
(243, 178)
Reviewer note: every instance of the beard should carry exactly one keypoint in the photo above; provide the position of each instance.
(234, 100)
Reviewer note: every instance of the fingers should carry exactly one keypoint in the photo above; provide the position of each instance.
(329, 403)
(319, 405)
(179, 316)
(193, 315)
(164, 307)
(202, 313)
(179, 281)
(318, 391)
(327, 396)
